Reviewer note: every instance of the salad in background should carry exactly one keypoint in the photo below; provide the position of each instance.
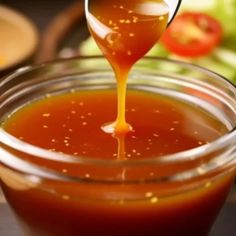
(202, 33)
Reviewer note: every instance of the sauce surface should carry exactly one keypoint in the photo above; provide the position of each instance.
(71, 123)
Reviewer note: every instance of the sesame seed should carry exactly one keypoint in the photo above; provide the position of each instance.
(135, 19)
(121, 202)
(46, 114)
(156, 111)
(65, 197)
(149, 194)
(175, 122)
(129, 53)
(208, 184)
(201, 171)
(87, 175)
(52, 149)
(154, 200)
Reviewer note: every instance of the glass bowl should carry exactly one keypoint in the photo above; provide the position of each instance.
(182, 198)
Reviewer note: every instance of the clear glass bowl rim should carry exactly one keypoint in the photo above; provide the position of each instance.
(225, 140)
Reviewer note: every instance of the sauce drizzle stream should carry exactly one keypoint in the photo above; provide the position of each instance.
(125, 31)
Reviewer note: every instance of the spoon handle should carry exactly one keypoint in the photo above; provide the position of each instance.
(173, 8)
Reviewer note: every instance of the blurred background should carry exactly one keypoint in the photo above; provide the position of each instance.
(58, 29)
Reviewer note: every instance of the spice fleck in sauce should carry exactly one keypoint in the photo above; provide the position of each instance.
(125, 31)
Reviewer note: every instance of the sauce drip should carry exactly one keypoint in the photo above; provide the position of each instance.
(125, 31)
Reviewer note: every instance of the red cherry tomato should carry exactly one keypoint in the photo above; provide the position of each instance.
(193, 34)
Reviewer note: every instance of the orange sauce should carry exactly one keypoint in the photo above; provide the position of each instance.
(125, 31)
(70, 123)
